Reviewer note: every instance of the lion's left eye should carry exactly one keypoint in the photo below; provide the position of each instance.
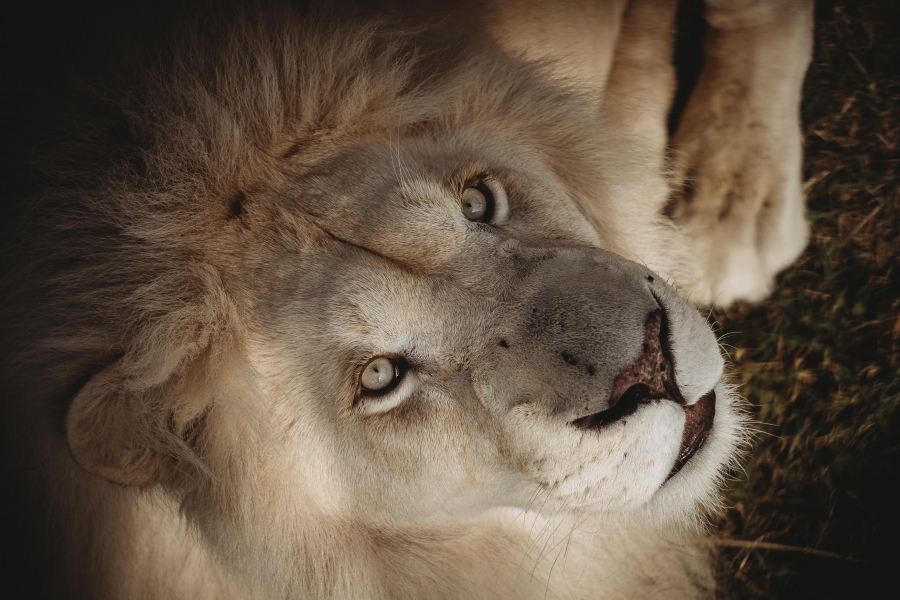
(477, 203)
(380, 375)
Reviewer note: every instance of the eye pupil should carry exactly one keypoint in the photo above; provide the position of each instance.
(379, 374)
(477, 204)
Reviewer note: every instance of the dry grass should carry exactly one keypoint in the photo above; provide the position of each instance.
(820, 361)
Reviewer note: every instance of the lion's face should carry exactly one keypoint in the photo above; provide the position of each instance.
(438, 331)
(406, 316)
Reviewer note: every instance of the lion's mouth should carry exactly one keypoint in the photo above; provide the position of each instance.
(635, 397)
(699, 418)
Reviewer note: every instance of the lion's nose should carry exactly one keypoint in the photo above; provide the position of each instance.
(652, 374)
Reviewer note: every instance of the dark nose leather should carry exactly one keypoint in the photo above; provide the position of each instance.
(649, 377)
(652, 374)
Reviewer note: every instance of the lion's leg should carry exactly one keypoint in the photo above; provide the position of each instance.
(580, 34)
(738, 149)
(642, 80)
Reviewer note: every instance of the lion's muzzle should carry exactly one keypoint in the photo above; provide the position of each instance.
(649, 378)
(590, 338)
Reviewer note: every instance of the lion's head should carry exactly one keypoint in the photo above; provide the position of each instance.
(349, 277)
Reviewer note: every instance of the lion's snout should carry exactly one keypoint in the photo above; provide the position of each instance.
(597, 336)
(650, 377)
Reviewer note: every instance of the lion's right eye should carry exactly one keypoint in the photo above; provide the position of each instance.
(483, 200)
(380, 375)
(384, 383)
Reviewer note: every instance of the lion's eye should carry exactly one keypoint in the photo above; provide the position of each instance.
(380, 375)
(478, 203)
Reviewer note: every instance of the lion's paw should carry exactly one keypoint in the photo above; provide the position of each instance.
(739, 199)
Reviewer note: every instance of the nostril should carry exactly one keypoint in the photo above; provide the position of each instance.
(568, 358)
(663, 333)
(652, 372)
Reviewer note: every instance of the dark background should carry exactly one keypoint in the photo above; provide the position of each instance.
(820, 359)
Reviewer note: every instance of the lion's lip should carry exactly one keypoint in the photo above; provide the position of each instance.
(631, 400)
(699, 418)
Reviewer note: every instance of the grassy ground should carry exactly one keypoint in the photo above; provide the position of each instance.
(820, 361)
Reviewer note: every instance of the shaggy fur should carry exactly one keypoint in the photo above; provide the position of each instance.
(269, 204)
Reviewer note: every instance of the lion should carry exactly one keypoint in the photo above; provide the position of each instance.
(378, 302)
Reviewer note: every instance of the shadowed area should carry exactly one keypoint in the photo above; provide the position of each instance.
(820, 359)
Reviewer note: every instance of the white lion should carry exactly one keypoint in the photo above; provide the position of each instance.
(342, 309)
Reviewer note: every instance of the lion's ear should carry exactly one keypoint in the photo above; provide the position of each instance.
(107, 433)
